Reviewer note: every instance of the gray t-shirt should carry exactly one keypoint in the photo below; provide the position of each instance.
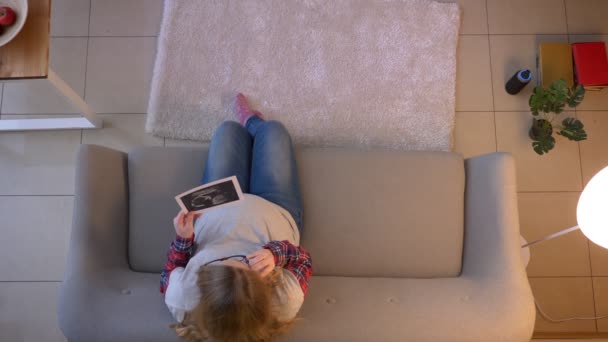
(238, 228)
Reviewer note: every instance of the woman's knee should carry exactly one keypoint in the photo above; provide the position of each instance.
(229, 126)
(275, 128)
(230, 129)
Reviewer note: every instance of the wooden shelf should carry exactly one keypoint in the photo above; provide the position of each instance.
(27, 56)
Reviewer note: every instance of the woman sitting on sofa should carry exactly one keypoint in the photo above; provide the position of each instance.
(237, 273)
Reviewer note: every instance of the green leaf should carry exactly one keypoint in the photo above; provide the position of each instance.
(573, 129)
(575, 96)
(543, 145)
(572, 123)
(554, 98)
(538, 100)
(558, 85)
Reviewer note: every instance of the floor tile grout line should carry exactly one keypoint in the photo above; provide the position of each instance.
(86, 59)
(89, 23)
(487, 20)
(592, 287)
(580, 161)
(155, 36)
(86, 63)
(475, 111)
(552, 192)
(42, 195)
(31, 281)
(527, 111)
(580, 155)
(1, 99)
(535, 34)
(58, 114)
(491, 78)
(561, 276)
(566, 17)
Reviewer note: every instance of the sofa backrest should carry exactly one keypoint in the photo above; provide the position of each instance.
(156, 176)
(383, 213)
(366, 213)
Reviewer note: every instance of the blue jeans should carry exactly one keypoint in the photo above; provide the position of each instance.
(261, 156)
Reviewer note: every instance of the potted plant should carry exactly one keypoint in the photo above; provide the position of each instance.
(546, 104)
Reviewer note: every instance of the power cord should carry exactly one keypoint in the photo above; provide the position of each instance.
(553, 320)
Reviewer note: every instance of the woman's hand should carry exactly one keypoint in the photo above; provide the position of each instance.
(262, 261)
(184, 224)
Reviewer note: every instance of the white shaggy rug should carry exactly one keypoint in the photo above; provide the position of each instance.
(336, 73)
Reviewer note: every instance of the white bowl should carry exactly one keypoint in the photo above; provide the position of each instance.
(10, 32)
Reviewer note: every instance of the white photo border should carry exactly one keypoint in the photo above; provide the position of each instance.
(233, 179)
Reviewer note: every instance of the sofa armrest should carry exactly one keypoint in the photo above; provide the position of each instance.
(101, 214)
(491, 243)
(492, 251)
(98, 242)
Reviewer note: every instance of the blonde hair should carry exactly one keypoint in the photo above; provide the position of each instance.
(235, 306)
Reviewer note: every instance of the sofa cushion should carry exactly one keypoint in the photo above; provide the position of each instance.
(156, 176)
(382, 213)
(353, 309)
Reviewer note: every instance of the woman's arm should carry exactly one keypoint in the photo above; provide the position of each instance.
(179, 254)
(180, 250)
(295, 259)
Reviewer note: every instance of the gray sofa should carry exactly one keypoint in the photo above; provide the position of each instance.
(407, 246)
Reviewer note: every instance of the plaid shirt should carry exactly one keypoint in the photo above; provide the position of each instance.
(295, 259)
(179, 253)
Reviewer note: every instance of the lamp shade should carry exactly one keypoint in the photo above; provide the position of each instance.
(592, 209)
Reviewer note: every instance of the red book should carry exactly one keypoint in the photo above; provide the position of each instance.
(590, 63)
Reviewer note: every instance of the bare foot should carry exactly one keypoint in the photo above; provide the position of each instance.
(243, 111)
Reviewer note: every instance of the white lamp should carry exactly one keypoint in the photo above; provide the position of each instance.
(592, 218)
(591, 212)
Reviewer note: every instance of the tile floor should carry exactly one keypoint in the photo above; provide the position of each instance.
(105, 49)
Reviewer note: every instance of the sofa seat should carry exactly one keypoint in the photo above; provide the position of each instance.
(391, 309)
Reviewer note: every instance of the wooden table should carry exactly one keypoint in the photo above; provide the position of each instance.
(27, 57)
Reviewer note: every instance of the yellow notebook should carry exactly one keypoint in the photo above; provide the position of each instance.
(554, 63)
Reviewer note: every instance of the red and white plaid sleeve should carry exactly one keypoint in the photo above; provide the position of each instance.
(179, 254)
(295, 259)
